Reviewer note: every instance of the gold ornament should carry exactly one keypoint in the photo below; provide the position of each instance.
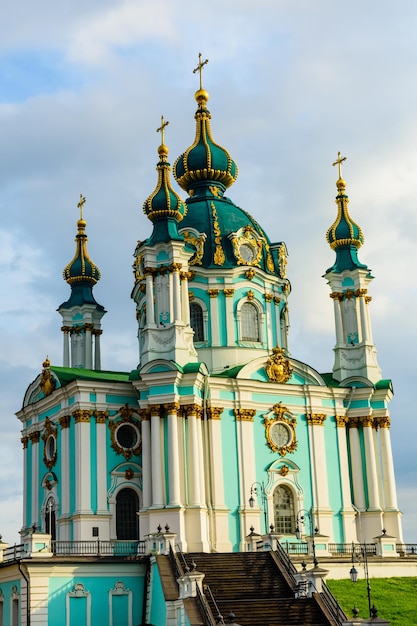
(278, 368)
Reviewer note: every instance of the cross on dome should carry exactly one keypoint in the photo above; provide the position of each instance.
(199, 68)
(80, 205)
(161, 129)
(339, 162)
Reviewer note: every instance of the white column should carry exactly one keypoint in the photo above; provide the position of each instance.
(371, 470)
(101, 461)
(64, 458)
(340, 339)
(173, 452)
(269, 312)
(156, 457)
(73, 348)
(194, 493)
(203, 500)
(387, 464)
(150, 310)
(82, 462)
(34, 438)
(214, 317)
(356, 464)
(230, 320)
(185, 302)
(88, 347)
(146, 460)
(66, 356)
(176, 292)
(341, 422)
(97, 355)
(318, 460)
(25, 440)
(215, 461)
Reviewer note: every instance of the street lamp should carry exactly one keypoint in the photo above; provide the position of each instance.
(258, 489)
(301, 519)
(354, 574)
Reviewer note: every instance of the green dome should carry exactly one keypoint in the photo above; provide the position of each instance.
(344, 235)
(204, 159)
(164, 202)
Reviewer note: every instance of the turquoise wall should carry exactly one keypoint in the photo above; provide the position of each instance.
(7, 589)
(158, 611)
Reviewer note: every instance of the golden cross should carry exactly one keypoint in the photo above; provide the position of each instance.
(199, 68)
(80, 205)
(161, 129)
(339, 162)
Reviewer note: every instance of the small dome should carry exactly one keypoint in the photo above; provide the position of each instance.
(204, 160)
(164, 202)
(81, 269)
(344, 231)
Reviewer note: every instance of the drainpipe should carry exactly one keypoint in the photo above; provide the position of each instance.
(27, 593)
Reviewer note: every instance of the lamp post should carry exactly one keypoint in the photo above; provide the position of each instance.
(354, 574)
(258, 490)
(301, 519)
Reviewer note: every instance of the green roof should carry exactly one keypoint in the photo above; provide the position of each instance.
(68, 374)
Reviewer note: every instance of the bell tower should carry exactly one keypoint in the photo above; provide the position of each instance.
(355, 353)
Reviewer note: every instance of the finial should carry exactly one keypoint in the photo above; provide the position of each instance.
(199, 68)
(339, 162)
(80, 205)
(161, 129)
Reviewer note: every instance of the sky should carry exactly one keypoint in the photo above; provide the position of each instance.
(82, 90)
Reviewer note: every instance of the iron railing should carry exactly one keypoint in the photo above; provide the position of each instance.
(295, 547)
(332, 605)
(347, 549)
(407, 549)
(98, 547)
(14, 553)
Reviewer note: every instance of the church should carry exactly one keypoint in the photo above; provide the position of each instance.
(218, 435)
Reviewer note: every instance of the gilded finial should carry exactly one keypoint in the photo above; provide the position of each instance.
(199, 68)
(80, 205)
(339, 162)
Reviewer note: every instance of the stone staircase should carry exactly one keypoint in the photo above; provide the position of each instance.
(254, 587)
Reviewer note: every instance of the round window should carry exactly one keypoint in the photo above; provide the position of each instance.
(50, 447)
(127, 436)
(280, 434)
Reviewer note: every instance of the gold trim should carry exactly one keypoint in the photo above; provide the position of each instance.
(228, 292)
(214, 412)
(250, 273)
(155, 410)
(172, 408)
(191, 296)
(65, 421)
(244, 415)
(126, 417)
(366, 421)
(213, 293)
(281, 416)
(34, 436)
(101, 416)
(268, 297)
(341, 420)
(250, 237)
(218, 257)
(316, 419)
(383, 422)
(24, 440)
(193, 409)
(282, 260)
(50, 430)
(81, 415)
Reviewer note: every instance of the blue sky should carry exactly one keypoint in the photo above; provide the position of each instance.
(82, 90)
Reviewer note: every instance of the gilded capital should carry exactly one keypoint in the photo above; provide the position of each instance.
(81, 416)
(244, 415)
(268, 297)
(34, 436)
(143, 414)
(193, 409)
(383, 422)
(214, 412)
(341, 420)
(316, 419)
(155, 410)
(24, 441)
(366, 420)
(213, 293)
(353, 422)
(101, 416)
(172, 408)
(228, 292)
(250, 273)
(64, 421)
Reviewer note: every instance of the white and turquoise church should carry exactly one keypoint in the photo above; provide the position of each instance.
(219, 433)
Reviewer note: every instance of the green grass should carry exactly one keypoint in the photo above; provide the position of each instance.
(395, 598)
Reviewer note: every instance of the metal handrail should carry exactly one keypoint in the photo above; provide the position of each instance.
(98, 548)
(341, 549)
(14, 553)
(332, 605)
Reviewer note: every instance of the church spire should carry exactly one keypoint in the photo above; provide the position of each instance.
(164, 206)
(204, 164)
(355, 353)
(344, 235)
(81, 313)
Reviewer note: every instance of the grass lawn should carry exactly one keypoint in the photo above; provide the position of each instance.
(395, 598)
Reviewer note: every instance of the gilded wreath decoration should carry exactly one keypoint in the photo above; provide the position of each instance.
(280, 430)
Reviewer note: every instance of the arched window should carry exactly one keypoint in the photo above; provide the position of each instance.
(127, 506)
(50, 518)
(196, 321)
(249, 322)
(284, 510)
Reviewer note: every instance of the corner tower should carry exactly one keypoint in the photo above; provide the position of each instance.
(161, 275)
(81, 314)
(355, 353)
